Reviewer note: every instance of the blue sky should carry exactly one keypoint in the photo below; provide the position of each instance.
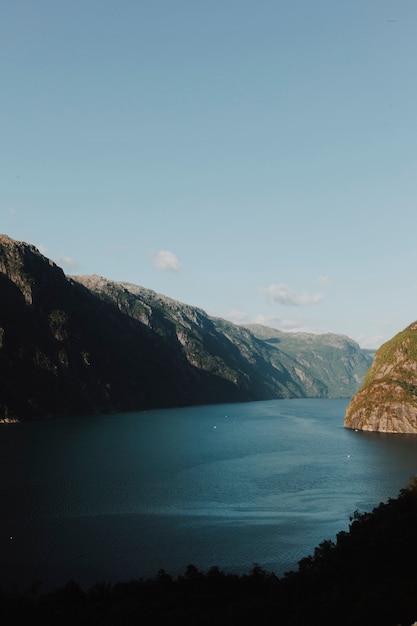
(254, 159)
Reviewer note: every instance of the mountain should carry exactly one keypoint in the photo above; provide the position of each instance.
(387, 400)
(334, 360)
(84, 344)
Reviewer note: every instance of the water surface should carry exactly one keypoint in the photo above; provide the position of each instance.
(117, 497)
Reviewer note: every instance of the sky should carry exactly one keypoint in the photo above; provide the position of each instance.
(256, 159)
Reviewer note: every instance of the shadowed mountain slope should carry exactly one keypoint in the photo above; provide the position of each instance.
(83, 344)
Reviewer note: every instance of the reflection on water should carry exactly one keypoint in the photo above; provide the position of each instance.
(120, 496)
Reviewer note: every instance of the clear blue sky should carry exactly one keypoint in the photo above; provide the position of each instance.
(257, 159)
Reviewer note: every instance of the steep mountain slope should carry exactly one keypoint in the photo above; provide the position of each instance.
(277, 364)
(387, 400)
(64, 350)
(336, 362)
(84, 344)
(197, 340)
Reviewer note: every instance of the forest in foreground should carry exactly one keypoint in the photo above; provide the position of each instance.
(366, 576)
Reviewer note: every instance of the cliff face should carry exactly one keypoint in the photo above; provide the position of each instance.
(387, 400)
(334, 362)
(83, 344)
(66, 351)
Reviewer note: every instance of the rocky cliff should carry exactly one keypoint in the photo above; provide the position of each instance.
(83, 344)
(387, 400)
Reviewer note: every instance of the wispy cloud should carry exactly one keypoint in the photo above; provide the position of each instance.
(276, 322)
(282, 294)
(67, 263)
(116, 251)
(372, 342)
(237, 317)
(272, 321)
(324, 280)
(42, 249)
(164, 260)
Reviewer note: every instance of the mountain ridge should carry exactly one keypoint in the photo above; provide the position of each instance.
(86, 344)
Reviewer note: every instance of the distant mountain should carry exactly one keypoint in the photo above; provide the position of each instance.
(335, 362)
(387, 400)
(83, 344)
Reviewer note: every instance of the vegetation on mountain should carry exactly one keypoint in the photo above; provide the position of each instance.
(334, 361)
(387, 400)
(366, 577)
(84, 344)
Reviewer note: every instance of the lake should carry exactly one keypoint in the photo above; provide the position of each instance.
(118, 497)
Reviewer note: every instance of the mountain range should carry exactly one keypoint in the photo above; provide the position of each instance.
(73, 345)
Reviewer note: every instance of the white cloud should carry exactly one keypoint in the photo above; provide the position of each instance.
(276, 322)
(372, 342)
(237, 317)
(67, 263)
(284, 295)
(272, 321)
(164, 260)
(384, 323)
(42, 249)
(116, 251)
(324, 280)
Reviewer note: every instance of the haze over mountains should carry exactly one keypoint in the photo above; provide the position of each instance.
(74, 345)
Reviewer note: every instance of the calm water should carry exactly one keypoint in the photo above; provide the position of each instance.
(117, 497)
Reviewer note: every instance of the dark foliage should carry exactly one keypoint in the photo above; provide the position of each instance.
(366, 577)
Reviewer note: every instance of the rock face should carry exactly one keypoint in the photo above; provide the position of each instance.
(334, 360)
(82, 344)
(387, 400)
